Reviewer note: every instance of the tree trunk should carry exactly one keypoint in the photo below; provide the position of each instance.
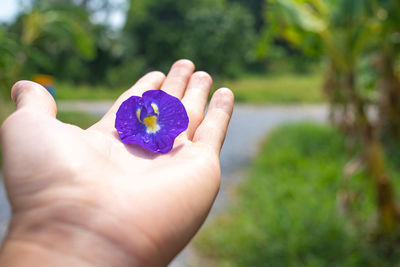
(375, 160)
(389, 85)
(339, 111)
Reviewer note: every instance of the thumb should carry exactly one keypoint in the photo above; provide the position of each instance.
(33, 96)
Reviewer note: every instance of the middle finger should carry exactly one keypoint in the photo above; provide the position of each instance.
(178, 78)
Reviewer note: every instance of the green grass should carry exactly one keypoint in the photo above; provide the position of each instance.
(286, 211)
(78, 118)
(277, 88)
(6, 107)
(66, 91)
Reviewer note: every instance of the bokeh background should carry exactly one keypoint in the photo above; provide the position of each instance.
(311, 163)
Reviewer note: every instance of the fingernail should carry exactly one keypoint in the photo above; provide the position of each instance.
(16, 89)
(225, 99)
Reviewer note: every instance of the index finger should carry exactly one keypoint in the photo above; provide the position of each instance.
(150, 81)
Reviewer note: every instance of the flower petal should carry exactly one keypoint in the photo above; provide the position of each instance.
(171, 116)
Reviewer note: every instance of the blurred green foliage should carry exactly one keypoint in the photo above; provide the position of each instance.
(286, 212)
(204, 31)
(49, 38)
(61, 38)
(217, 46)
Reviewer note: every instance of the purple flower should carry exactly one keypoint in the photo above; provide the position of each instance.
(152, 121)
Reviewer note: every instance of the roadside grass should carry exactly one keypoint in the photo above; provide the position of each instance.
(286, 212)
(80, 119)
(285, 88)
(6, 107)
(68, 91)
(277, 88)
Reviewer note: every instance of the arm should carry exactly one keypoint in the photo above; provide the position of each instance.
(83, 198)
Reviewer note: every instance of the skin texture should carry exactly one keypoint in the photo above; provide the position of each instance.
(83, 198)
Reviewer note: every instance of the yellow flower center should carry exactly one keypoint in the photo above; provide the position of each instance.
(151, 121)
(151, 124)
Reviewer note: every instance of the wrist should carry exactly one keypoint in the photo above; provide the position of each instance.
(50, 241)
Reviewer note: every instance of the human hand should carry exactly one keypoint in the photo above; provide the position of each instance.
(83, 197)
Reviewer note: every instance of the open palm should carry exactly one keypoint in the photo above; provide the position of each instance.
(87, 185)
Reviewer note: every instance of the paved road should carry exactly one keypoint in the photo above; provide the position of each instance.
(249, 125)
(4, 211)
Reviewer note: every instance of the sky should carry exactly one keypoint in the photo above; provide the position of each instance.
(9, 9)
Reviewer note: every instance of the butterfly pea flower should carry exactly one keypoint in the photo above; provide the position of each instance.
(152, 121)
